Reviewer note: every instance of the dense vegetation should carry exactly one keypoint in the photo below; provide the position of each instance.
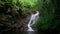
(13, 14)
(49, 15)
(11, 11)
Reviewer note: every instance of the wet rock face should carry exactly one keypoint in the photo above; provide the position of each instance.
(14, 24)
(24, 24)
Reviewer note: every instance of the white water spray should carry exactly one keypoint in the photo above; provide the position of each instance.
(32, 21)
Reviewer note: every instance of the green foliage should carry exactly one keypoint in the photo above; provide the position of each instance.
(27, 5)
(30, 3)
(48, 16)
(7, 17)
(11, 10)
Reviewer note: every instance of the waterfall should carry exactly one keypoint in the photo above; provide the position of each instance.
(32, 21)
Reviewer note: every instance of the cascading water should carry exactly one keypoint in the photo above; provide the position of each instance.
(32, 21)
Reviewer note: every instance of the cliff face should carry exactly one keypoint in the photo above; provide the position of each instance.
(13, 20)
(8, 22)
(24, 23)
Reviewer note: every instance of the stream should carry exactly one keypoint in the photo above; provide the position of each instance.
(32, 21)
